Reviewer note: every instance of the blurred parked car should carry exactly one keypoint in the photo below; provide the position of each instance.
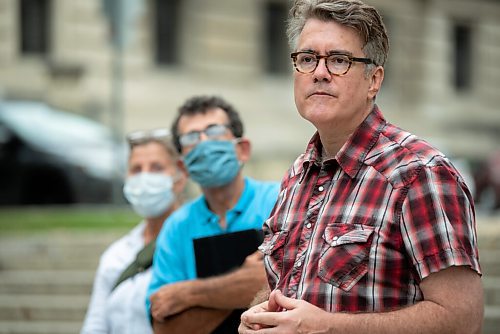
(49, 156)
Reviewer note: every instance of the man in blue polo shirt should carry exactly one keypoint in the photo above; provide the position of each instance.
(209, 135)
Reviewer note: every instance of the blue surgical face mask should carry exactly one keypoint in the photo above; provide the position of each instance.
(212, 163)
(151, 194)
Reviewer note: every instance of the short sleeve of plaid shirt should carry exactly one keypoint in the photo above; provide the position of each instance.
(437, 221)
(358, 233)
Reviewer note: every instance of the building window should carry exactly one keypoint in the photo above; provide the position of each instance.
(167, 15)
(462, 37)
(34, 26)
(276, 58)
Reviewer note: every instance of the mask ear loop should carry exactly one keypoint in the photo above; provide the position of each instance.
(235, 142)
(177, 175)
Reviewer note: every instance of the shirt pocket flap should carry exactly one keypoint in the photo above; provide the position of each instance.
(341, 234)
(273, 242)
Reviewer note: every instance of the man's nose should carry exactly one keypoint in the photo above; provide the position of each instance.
(203, 136)
(321, 72)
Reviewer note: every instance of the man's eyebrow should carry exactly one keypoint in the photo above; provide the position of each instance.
(340, 52)
(307, 50)
(330, 52)
(198, 131)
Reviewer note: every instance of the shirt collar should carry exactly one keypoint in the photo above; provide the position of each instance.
(134, 237)
(208, 216)
(353, 153)
(245, 198)
(312, 155)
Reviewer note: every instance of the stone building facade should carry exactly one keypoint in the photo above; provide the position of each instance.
(442, 76)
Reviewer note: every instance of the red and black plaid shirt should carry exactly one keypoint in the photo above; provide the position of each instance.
(360, 232)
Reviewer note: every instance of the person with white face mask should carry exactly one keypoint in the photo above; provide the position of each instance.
(153, 187)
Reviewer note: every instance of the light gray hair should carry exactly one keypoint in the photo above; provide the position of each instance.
(363, 18)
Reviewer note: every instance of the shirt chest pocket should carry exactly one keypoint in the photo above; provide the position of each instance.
(344, 255)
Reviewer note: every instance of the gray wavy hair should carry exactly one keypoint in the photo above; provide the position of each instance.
(363, 18)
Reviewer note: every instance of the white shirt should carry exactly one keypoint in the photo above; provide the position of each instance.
(123, 310)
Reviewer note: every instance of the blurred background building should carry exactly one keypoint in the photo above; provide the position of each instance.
(442, 83)
(442, 76)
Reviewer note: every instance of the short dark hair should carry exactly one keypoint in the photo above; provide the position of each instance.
(201, 105)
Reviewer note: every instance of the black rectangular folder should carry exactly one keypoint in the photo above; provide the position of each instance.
(221, 253)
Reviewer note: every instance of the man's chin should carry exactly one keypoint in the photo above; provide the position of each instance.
(319, 113)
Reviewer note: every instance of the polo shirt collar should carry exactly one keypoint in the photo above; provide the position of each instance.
(207, 215)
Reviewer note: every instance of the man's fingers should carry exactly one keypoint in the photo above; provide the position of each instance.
(158, 312)
(262, 319)
(284, 302)
(158, 319)
(156, 315)
(273, 305)
(244, 329)
(258, 255)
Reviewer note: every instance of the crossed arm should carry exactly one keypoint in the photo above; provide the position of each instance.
(453, 303)
(199, 306)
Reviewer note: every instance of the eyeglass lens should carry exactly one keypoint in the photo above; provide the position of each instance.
(336, 64)
(213, 131)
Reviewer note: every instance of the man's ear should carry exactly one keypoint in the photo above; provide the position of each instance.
(182, 167)
(182, 176)
(376, 78)
(243, 149)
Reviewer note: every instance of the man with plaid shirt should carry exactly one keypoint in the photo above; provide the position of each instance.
(374, 229)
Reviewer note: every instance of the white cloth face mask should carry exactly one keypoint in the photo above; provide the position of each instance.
(151, 194)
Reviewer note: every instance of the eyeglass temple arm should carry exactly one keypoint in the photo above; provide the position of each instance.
(362, 60)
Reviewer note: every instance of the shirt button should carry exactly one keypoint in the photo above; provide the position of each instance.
(321, 188)
(308, 225)
(334, 243)
(298, 264)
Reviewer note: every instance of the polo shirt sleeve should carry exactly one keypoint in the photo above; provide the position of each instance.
(167, 259)
(437, 221)
(271, 198)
